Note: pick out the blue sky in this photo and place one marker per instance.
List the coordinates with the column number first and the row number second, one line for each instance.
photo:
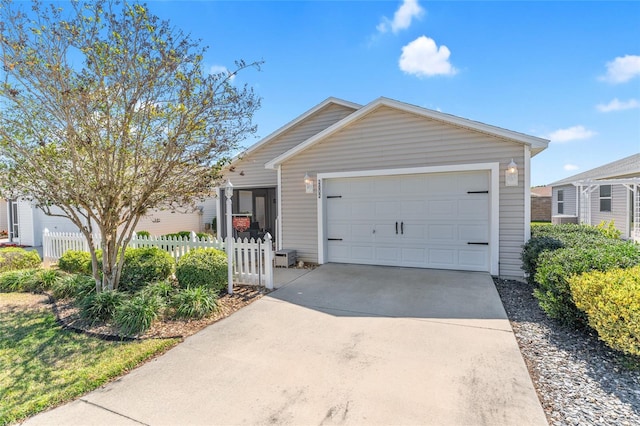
column 566, row 71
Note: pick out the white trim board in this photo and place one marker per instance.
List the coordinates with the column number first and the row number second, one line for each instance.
column 494, row 192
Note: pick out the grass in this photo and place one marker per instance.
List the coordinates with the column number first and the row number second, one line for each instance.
column 44, row 365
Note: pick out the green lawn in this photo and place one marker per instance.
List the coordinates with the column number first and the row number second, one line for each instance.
column 44, row 365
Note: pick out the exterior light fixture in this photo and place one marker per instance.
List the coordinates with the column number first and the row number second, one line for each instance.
column 308, row 184
column 511, row 174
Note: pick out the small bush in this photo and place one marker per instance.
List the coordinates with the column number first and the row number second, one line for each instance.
column 143, row 266
column 609, row 229
column 15, row 258
column 76, row 262
column 181, row 235
column 145, row 234
column 163, row 289
column 16, row 281
column 203, row 235
column 136, row 315
column 101, row 307
column 46, row 278
column 556, row 267
column 203, row 268
column 196, row 302
column 572, row 235
column 76, row 286
column 531, row 251
column 611, row 301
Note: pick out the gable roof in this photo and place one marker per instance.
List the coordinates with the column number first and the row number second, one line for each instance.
column 294, row 122
column 536, row 144
column 541, row 191
column 627, row 166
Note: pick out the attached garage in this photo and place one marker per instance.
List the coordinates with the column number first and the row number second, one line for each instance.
column 390, row 183
column 429, row 220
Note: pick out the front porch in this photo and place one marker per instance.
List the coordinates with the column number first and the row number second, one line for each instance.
column 254, row 213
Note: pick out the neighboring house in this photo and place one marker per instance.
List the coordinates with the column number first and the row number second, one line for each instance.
column 389, row 183
column 606, row 193
column 541, row 204
column 26, row 223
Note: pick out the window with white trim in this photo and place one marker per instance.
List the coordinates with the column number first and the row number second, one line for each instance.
column 560, row 201
column 605, row 198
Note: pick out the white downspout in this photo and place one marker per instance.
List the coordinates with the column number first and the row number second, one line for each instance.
column 279, row 206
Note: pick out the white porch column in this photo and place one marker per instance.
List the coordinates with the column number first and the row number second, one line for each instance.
column 228, row 192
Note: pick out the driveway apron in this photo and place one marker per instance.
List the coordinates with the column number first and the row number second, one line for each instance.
column 342, row 344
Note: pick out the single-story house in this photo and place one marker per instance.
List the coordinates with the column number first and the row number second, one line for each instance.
column 389, row 183
column 606, row 193
column 26, row 223
column 541, row 204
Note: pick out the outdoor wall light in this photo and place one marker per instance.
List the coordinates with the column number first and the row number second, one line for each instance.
column 308, row 184
column 511, row 174
column 228, row 190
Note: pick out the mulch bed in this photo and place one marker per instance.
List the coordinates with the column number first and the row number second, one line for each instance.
column 68, row 316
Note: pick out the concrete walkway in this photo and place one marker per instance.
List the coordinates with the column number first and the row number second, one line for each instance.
column 341, row 344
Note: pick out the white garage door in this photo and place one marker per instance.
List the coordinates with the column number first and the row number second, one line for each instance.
column 436, row 220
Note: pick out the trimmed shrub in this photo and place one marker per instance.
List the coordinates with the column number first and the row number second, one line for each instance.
column 143, row 266
column 135, row 316
column 611, row 301
column 14, row 258
column 556, row 267
column 572, row 235
column 203, row 235
column 75, row 262
column 145, row 234
column 531, row 251
column 196, row 302
column 101, row 307
column 203, row 268
column 76, row 286
column 181, row 235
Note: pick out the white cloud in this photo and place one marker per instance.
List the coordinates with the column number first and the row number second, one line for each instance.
column 570, row 134
column 423, row 58
column 617, row 105
column 622, row 69
column 217, row 69
column 570, row 167
column 408, row 10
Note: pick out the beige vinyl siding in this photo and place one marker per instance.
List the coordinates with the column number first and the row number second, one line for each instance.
column 4, row 215
column 570, row 201
column 161, row 222
column 389, row 139
column 619, row 208
column 252, row 165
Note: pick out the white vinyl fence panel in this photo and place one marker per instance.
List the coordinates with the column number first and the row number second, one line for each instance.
column 253, row 259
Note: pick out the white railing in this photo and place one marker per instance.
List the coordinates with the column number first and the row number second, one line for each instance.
column 253, row 259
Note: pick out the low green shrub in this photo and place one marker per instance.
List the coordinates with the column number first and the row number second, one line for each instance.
column 611, row 301
column 143, row 266
column 101, row 307
column 145, row 234
column 573, row 235
column 609, row 229
column 192, row 303
column 76, row 286
column 203, row 268
column 180, row 235
column 163, row 289
column 75, row 262
column 556, row 267
column 135, row 316
column 15, row 258
column 16, row 281
column 531, row 251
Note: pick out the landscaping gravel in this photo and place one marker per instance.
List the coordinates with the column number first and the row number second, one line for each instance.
column 579, row 380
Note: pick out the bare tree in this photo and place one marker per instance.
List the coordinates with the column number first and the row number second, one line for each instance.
column 106, row 112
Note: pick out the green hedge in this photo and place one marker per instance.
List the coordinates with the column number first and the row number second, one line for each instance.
column 76, row 262
column 203, row 268
column 14, row 258
column 611, row 301
column 143, row 266
column 556, row 267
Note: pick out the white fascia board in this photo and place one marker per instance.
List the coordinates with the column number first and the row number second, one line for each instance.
column 537, row 144
column 292, row 123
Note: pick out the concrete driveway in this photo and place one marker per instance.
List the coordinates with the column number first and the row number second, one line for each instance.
column 342, row 344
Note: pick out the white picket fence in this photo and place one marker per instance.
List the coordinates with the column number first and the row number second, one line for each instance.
column 253, row 259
